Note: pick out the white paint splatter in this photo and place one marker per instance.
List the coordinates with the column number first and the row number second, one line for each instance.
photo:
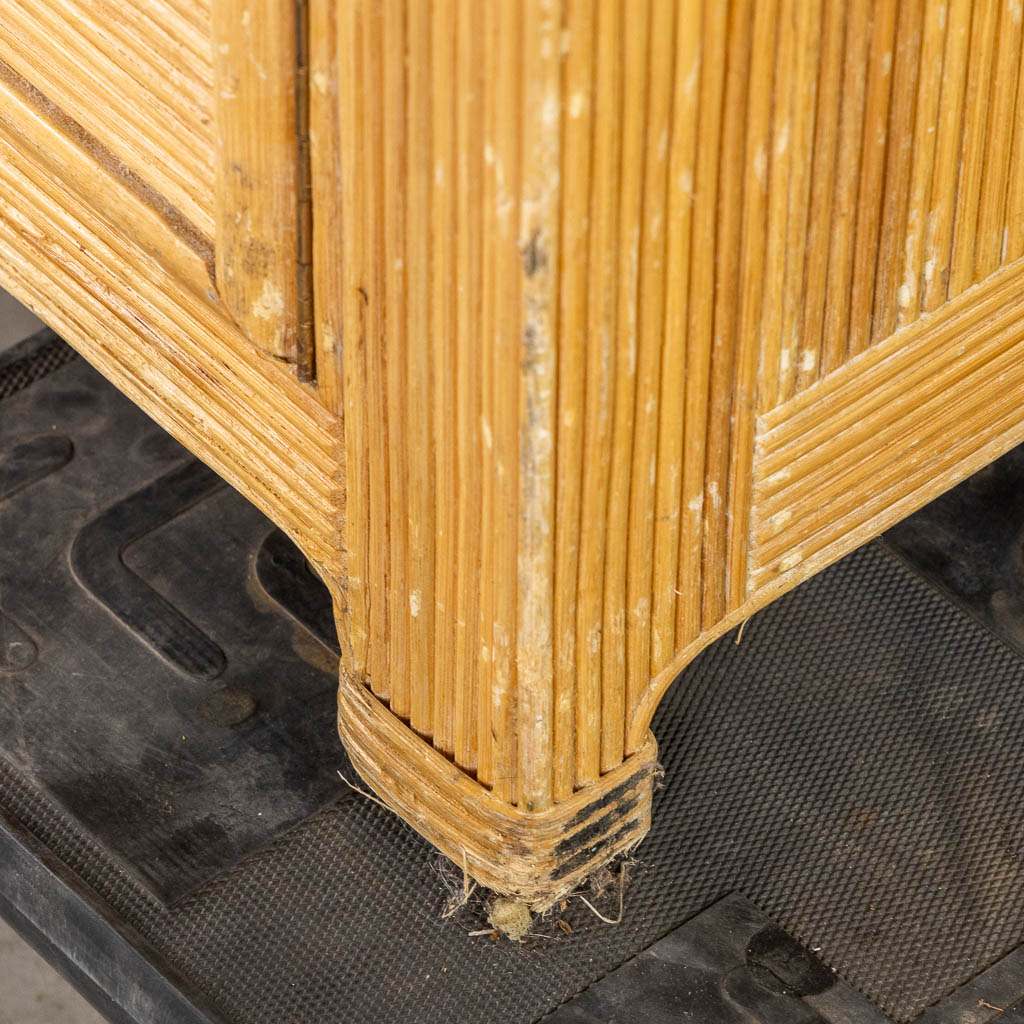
column 761, row 164
column 415, row 601
column 270, row 304
column 551, row 109
column 782, row 142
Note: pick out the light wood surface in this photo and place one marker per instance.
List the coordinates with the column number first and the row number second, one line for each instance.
column 135, row 75
column 138, row 302
column 623, row 319
column 255, row 58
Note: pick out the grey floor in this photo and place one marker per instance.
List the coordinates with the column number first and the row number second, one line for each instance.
column 31, row 992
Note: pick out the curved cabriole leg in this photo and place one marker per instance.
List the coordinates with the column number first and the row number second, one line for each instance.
column 484, row 688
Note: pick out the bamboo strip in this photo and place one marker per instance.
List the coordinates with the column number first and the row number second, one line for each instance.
column 191, row 12
column 394, row 454
column 874, row 140
column 355, row 316
column 991, row 235
column 972, row 146
column 329, row 236
column 150, row 45
column 257, row 226
column 425, row 715
column 505, row 131
column 803, row 355
column 538, row 399
column 682, row 166
column 899, row 164
column 373, row 94
column 140, row 234
column 846, row 201
column 602, row 311
column 173, row 318
column 87, row 255
column 170, row 144
column 972, row 458
column 169, row 26
column 701, row 322
column 651, row 286
column 789, row 90
column 577, row 175
column 489, row 707
column 1014, row 246
column 732, row 172
column 926, row 123
column 762, row 150
column 473, row 390
column 939, row 237
column 616, row 568
column 805, row 102
column 444, row 26
column 990, row 409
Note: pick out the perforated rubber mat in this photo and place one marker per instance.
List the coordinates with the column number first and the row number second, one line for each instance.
column 853, row 767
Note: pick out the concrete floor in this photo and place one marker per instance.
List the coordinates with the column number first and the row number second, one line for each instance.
column 31, row 992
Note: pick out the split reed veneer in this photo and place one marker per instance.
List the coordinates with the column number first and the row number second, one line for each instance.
column 561, row 335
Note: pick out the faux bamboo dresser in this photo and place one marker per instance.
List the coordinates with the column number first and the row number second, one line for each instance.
column 560, row 335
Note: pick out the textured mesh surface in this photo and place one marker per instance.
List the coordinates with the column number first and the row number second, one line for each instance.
column 853, row 767
column 31, row 360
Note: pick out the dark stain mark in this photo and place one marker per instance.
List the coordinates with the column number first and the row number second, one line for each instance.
column 580, row 859
column 589, row 834
column 611, row 797
column 534, row 255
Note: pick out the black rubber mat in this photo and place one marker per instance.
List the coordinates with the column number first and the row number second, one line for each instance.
column 152, row 687
column 852, row 768
column 969, row 543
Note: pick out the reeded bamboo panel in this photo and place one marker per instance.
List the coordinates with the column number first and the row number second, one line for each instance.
column 136, row 76
column 199, row 109
column 83, row 250
column 632, row 315
column 648, row 311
